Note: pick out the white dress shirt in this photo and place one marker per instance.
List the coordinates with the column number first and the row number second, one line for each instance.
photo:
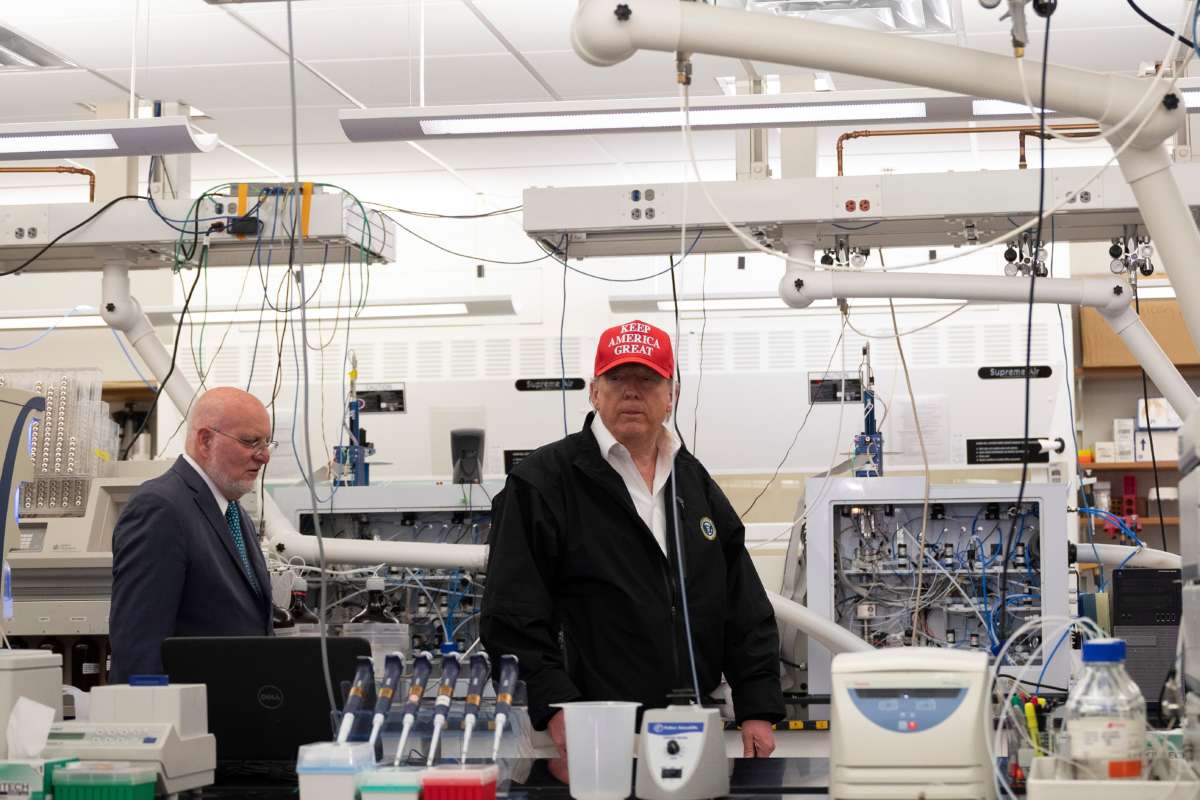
column 222, row 500
column 650, row 504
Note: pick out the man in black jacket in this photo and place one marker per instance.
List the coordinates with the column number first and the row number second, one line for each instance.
column 583, row 577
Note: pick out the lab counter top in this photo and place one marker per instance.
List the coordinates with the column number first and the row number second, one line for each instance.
column 523, row 779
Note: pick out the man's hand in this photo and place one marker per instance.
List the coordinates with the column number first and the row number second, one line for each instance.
column 758, row 740
column 557, row 728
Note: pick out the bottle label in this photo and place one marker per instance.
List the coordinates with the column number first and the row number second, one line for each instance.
column 1099, row 738
column 90, row 668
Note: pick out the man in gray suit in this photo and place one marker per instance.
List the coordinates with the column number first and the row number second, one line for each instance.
column 186, row 560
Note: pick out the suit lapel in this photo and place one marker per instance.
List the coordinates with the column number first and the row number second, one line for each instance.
column 212, row 512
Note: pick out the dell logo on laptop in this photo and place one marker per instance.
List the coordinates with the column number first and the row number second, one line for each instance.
column 270, row 697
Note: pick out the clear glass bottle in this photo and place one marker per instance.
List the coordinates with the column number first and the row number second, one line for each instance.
column 1106, row 716
column 377, row 609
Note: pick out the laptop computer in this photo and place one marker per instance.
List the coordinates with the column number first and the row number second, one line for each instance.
column 266, row 694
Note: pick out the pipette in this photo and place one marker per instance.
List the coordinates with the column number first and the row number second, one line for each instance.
column 364, row 684
column 481, row 667
column 422, row 665
column 508, row 681
column 393, row 668
column 451, row 664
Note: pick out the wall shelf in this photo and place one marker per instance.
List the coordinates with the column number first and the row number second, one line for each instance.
column 1131, row 466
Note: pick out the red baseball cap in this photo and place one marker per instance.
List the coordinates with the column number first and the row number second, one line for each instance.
column 635, row 342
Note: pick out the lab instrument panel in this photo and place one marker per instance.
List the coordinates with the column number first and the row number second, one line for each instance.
column 864, row 570
column 431, row 602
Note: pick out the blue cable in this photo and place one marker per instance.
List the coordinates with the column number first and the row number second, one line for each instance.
column 45, row 333
column 1121, row 566
column 132, row 363
column 1053, row 651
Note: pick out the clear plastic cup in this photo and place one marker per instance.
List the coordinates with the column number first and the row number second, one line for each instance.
column 600, row 738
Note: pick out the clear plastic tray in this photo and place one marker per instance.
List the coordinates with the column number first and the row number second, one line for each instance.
column 1042, row 785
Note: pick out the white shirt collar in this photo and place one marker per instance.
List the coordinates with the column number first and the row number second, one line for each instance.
column 607, row 441
column 222, row 501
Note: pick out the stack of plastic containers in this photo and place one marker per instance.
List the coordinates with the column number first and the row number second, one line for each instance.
column 68, row 442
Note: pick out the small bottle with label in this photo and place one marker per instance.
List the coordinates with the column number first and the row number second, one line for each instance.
column 1106, row 716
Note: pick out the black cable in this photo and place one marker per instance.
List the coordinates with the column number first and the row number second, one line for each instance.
column 71, row 230
column 1137, row 10
column 778, row 467
column 174, row 354
column 551, row 254
column 1162, row 526
column 433, row 215
column 432, row 243
column 677, row 390
column 1037, row 245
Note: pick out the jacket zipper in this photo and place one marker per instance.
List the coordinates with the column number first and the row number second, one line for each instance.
column 674, row 622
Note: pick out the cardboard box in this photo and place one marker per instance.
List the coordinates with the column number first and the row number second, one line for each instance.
column 1162, row 416
column 1105, row 452
column 1103, row 348
column 1166, row 446
column 1123, row 438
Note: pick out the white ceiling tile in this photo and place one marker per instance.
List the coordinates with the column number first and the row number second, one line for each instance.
column 229, row 85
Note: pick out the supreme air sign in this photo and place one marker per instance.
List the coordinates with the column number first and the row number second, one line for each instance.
column 1002, row 373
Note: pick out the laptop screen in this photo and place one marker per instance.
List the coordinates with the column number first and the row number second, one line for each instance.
column 266, row 694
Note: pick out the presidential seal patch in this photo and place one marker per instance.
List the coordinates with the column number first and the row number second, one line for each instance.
column 708, row 528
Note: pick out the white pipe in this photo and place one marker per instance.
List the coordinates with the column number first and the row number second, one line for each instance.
column 286, row 542
column 834, row 637
column 1169, row 221
column 124, row 313
column 1158, row 365
column 800, row 287
column 1112, row 555
column 603, row 38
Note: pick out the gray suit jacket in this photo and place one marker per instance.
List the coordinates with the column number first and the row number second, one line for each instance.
column 176, row 572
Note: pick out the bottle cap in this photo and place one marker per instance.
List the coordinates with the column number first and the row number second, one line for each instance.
column 1104, row 650
column 299, row 584
column 375, row 584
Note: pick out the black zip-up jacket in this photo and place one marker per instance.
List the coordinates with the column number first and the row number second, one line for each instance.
column 578, row 588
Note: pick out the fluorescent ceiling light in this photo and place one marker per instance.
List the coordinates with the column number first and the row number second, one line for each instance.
column 57, row 143
column 723, row 112
column 1002, row 108
column 102, row 137
column 41, row 323
column 327, row 313
column 1191, row 98
column 902, row 16
column 713, row 118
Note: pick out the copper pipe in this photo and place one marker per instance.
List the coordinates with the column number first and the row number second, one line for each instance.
column 862, row 134
column 62, row 170
column 1021, row 136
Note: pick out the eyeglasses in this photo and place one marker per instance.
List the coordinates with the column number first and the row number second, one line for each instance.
column 255, row 446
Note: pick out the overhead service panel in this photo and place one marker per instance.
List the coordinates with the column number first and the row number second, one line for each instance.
column 131, row 232
column 936, row 210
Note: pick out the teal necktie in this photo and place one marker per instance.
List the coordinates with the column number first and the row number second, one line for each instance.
column 234, row 518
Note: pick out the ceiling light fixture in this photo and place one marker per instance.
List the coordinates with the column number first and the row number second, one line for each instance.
column 102, row 137
column 797, row 109
column 1003, row 108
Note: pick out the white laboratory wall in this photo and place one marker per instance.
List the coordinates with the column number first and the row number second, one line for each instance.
column 751, row 371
